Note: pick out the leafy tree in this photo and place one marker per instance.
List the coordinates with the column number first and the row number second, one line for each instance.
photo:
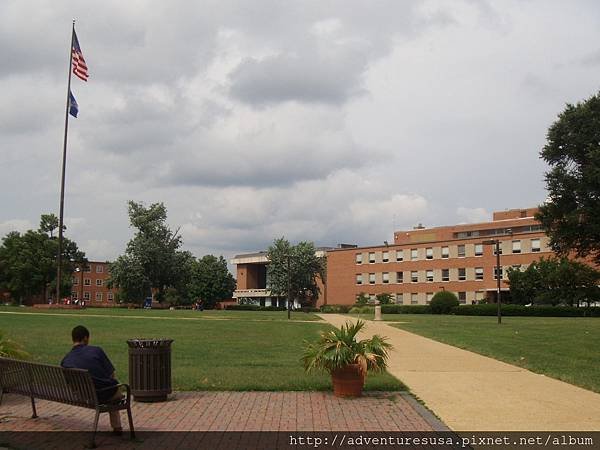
column 211, row 280
column 305, row 268
column 572, row 213
column 384, row 298
column 553, row 281
column 28, row 261
column 152, row 262
column 362, row 299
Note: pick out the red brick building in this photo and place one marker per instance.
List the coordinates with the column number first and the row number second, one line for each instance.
column 89, row 284
column 424, row 261
column 419, row 263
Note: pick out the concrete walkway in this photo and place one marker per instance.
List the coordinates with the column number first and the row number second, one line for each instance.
column 470, row 392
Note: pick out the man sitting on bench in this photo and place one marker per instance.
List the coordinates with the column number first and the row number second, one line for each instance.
column 94, row 360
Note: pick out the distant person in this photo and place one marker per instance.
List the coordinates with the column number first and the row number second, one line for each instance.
column 94, row 360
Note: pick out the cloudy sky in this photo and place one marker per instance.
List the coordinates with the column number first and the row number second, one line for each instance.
column 329, row 121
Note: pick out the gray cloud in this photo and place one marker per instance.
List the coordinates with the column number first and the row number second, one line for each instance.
column 328, row 121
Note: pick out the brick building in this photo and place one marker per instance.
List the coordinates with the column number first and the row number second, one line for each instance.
column 89, row 284
column 419, row 263
column 424, row 261
column 252, row 282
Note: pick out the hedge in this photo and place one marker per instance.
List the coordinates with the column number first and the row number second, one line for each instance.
column 520, row 310
column 405, row 309
column 254, row 308
column 339, row 309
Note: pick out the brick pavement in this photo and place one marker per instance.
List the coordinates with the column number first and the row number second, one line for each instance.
column 231, row 411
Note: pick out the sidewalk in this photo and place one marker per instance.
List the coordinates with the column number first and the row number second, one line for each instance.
column 188, row 412
column 470, row 392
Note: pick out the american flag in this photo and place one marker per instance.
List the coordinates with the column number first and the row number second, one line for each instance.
column 79, row 66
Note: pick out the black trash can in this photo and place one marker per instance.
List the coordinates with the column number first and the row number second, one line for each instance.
column 150, row 369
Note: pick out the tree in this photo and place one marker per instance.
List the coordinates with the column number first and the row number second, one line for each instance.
column 28, row 261
column 384, row 298
column 152, row 262
column 305, row 268
column 211, row 280
column 443, row 302
column 571, row 215
column 362, row 299
column 553, row 281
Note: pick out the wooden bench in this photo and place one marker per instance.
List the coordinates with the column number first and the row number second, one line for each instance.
column 57, row 384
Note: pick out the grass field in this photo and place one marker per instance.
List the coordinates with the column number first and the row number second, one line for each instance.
column 244, row 351
column 561, row 347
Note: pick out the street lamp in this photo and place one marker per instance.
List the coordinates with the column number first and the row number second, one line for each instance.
column 496, row 242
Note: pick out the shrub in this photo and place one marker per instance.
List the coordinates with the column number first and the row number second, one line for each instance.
column 254, row 308
column 361, row 310
column 338, row 309
column 443, row 302
column 406, row 309
column 520, row 310
column 309, row 309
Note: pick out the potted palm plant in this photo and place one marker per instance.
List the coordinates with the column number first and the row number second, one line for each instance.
column 347, row 359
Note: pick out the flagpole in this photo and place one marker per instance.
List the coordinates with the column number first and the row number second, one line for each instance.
column 62, row 179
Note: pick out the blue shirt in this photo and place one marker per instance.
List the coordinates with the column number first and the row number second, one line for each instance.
column 94, row 360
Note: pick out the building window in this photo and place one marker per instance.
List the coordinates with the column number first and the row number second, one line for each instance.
column 414, row 254
column 462, row 274
column 462, row 298
column 414, row 299
column 445, row 252
column 516, row 246
column 461, row 251
column 74, row 295
column 359, row 278
column 429, row 253
column 479, row 273
column 110, row 296
column 385, row 257
column 445, row 274
column 399, row 255
column 371, row 278
column 399, row 299
column 385, row 277
column 372, row 298
column 98, row 282
column 496, row 272
column 87, row 269
column 478, row 249
column 500, row 247
column 359, row 258
column 87, row 282
column 99, row 268
column 414, row 276
column 429, row 275
column 98, row 296
column 428, row 297
column 535, row 245
column 371, row 257
column 86, row 295
column 75, row 281
column 399, row 277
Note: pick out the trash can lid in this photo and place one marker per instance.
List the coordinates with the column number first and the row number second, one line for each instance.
column 149, row 343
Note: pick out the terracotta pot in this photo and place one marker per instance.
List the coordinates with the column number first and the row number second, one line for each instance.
column 348, row 381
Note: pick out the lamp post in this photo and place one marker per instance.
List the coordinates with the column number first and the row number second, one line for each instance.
column 496, row 242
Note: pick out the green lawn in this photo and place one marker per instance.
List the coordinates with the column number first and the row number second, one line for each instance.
column 561, row 347
column 252, row 351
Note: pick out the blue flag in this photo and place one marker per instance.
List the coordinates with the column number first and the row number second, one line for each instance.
column 73, row 106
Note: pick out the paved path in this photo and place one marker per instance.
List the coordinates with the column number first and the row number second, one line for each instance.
column 471, row 392
column 226, row 411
